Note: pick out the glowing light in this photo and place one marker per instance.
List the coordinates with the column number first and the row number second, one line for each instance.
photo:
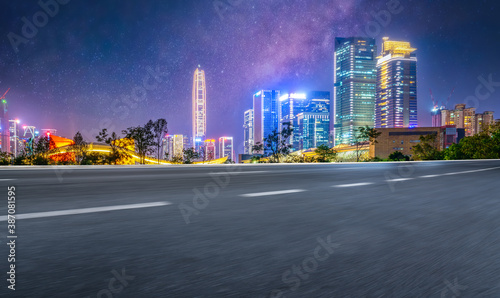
column 284, row 97
column 4, row 101
column 298, row 96
column 258, row 93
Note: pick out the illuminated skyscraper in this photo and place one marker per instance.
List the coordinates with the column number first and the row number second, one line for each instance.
column 174, row 146
column 266, row 111
column 248, row 131
column 355, row 81
column 295, row 104
column 209, row 153
column 199, row 108
column 4, row 128
column 226, row 148
column 396, row 104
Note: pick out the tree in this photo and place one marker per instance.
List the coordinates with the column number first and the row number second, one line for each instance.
column 277, row 143
column 117, row 152
column 80, row 148
column 428, row 148
column 160, row 130
column 144, row 139
column 325, row 153
column 40, row 151
column 190, row 155
column 4, row 158
column 398, row 156
column 362, row 135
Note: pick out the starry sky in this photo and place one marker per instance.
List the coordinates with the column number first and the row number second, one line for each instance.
column 87, row 65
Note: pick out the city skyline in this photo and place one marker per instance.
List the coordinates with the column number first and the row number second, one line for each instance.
column 110, row 72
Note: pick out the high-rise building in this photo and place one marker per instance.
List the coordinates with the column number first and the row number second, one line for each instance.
column 248, row 131
column 15, row 145
column 209, row 153
column 396, row 101
column 266, row 113
column 294, row 104
column 199, row 108
column 313, row 130
column 4, row 128
column 226, row 148
column 174, row 146
column 355, row 81
column 467, row 118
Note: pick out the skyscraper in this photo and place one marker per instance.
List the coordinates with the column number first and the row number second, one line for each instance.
column 226, row 148
column 209, row 150
column 396, row 104
column 248, row 131
column 199, row 108
column 266, row 114
column 313, row 130
column 294, row 104
column 355, row 81
column 4, row 128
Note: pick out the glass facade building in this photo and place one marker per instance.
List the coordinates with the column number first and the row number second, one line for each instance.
column 396, row 104
column 294, row 104
column 248, row 131
column 355, row 81
column 313, row 129
column 226, row 148
column 266, row 114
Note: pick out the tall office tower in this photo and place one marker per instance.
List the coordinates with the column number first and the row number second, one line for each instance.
column 266, row 114
column 294, row 104
column 4, row 128
column 209, row 147
column 178, row 146
column 248, row 131
column 355, row 80
column 226, row 148
column 199, row 108
column 396, row 102
column 15, row 144
column 313, row 130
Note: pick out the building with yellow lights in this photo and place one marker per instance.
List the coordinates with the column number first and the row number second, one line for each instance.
column 396, row 101
column 467, row 118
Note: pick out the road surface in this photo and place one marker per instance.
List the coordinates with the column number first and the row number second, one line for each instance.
column 428, row 229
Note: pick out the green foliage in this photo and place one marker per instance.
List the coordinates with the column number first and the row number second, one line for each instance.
column 365, row 134
column 189, row 155
column 159, row 130
column 428, row 148
column 485, row 145
column 144, row 139
column 398, row 156
column 325, row 153
column 117, row 153
column 80, row 148
column 277, row 143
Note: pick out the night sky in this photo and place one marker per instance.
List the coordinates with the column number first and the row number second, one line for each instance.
column 77, row 71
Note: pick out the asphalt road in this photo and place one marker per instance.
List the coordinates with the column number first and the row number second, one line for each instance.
column 429, row 229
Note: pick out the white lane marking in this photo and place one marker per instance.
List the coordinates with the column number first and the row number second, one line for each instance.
column 237, row 173
column 458, row 173
column 354, row 184
column 6, row 179
column 86, row 210
column 399, row 180
column 272, row 193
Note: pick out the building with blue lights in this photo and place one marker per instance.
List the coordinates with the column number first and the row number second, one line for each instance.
column 355, row 82
column 266, row 114
column 294, row 104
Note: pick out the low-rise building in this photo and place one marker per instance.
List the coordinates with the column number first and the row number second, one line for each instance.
column 404, row 139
